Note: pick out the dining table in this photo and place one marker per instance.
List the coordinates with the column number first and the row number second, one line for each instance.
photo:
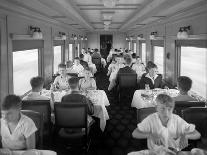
column 97, row 97
column 27, row 152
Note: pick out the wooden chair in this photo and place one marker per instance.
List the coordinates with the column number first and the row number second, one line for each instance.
column 72, row 117
column 144, row 112
column 38, row 120
column 127, row 84
column 43, row 107
column 181, row 105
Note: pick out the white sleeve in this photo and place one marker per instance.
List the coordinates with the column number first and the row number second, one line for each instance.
column 184, row 127
column 144, row 126
column 29, row 128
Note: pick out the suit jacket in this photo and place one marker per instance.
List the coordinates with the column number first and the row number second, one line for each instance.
column 96, row 55
column 83, row 63
column 145, row 80
column 75, row 97
column 125, row 70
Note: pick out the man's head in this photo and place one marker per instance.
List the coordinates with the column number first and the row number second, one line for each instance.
column 62, row 69
column 184, row 83
column 73, row 83
column 165, row 106
column 134, row 56
column 81, row 56
column 76, row 60
column 37, row 83
column 10, row 108
column 152, row 69
column 128, row 59
column 69, row 64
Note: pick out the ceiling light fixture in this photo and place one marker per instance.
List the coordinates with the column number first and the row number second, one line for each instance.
column 110, row 3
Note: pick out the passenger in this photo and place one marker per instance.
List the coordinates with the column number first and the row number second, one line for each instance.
column 96, row 54
column 87, row 83
column 164, row 129
column 184, row 84
column 61, row 81
column 76, row 97
column 126, row 70
column 151, row 78
column 17, row 130
column 69, row 67
column 82, row 62
column 37, row 86
column 112, row 66
column 86, row 57
column 139, row 68
column 77, row 67
column 134, row 58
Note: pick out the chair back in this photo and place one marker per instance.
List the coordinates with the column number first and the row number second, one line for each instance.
column 38, row 120
column 72, row 74
column 181, row 105
column 197, row 116
column 127, row 80
column 144, row 112
column 43, row 107
column 73, row 115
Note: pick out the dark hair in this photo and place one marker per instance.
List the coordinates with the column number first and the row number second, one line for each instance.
column 184, row 83
column 150, row 65
column 166, row 100
column 61, row 65
column 81, row 56
column 96, row 50
column 36, row 82
column 77, row 58
column 128, row 58
column 73, row 82
column 134, row 55
column 11, row 101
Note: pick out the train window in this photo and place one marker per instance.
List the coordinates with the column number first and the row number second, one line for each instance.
column 25, row 66
column 159, row 58
column 70, row 52
column 143, row 50
column 57, row 58
column 78, row 50
column 129, row 45
column 134, row 47
column 194, row 65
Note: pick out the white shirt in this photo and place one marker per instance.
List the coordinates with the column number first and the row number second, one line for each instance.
column 35, row 96
column 175, row 127
column 87, row 58
column 152, row 78
column 17, row 140
column 61, row 82
column 78, row 68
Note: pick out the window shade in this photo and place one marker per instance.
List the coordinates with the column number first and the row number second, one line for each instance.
column 21, row 45
column 192, row 43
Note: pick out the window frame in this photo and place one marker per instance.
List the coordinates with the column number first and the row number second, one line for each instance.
column 62, row 46
column 140, row 49
column 199, row 43
column 71, row 51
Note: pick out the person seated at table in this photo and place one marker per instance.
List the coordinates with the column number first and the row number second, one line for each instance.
column 77, row 67
column 69, row 65
column 164, row 129
column 184, row 84
column 87, row 83
column 139, row 68
column 17, row 130
column 61, row 81
column 82, row 62
column 151, row 78
column 125, row 70
column 37, row 86
column 76, row 97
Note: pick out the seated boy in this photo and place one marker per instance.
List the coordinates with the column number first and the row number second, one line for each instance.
column 184, row 84
column 37, row 86
column 17, row 130
column 164, row 129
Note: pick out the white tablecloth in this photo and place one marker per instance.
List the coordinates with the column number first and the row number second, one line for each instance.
column 144, row 99
column 28, row 152
column 98, row 98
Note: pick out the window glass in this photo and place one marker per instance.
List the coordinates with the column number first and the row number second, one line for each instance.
column 159, row 58
column 78, row 50
column 143, row 49
column 25, row 66
column 71, row 52
column 56, row 58
column 129, row 45
column 193, row 64
column 135, row 48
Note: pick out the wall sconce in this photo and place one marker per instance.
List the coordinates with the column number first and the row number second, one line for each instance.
column 85, row 38
column 153, row 35
column 183, row 32
column 62, row 35
column 35, row 32
column 74, row 37
column 140, row 37
column 127, row 38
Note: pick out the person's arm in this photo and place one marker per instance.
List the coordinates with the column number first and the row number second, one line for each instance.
column 112, row 84
column 193, row 135
column 139, row 134
column 31, row 142
column 109, row 70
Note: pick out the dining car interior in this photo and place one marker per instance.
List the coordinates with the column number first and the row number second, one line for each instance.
column 103, row 77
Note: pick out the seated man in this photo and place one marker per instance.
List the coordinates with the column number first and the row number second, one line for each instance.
column 37, row 86
column 125, row 70
column 61, row 81
column 17, row 130
column 69, row 67
column 151, row 78
column 77, row 67
column 75, row 95
column 164, row 129
column 184, row 84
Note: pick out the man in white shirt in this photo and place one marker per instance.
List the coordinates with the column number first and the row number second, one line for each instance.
column 77, row 67
column 17, row 130
column 37, row 86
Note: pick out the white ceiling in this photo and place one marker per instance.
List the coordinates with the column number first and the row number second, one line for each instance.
column 87, row 15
